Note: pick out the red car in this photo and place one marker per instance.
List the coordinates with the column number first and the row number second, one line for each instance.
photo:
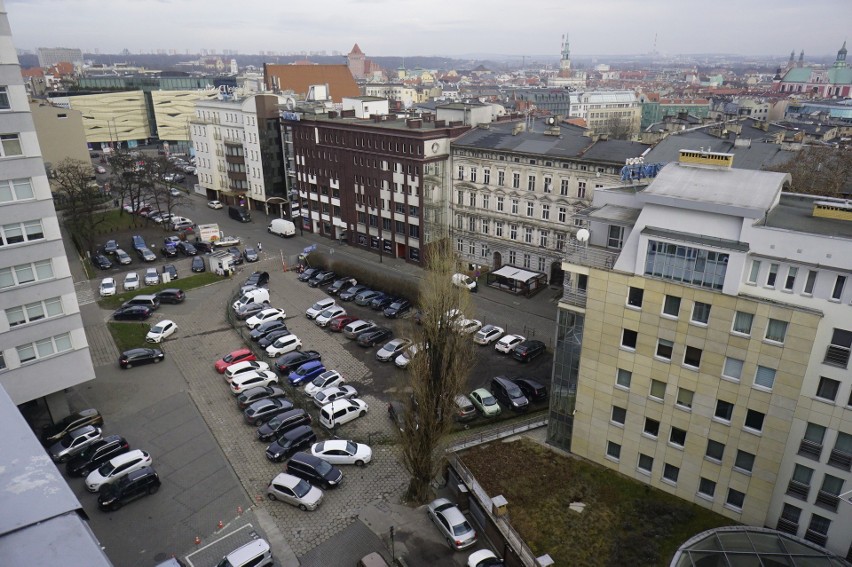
column 339, row 322
column 240, row 355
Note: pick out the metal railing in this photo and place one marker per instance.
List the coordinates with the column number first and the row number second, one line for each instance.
column 590, row 256
column 496, row 433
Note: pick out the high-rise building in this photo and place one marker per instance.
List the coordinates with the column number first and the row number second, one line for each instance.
column 43, row 347
column 50, row 56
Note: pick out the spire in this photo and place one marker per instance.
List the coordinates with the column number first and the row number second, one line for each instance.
column 356, row 50
column 841, row 57
column 801, row 58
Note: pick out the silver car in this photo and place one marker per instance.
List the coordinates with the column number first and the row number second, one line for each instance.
column 451, row 523
column 295, row 491
column 328, row 395
column 74, row 442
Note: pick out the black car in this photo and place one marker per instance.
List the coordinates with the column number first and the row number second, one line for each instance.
column 282, row 422
column 134, row 485
column 171, row 270
column 252, row 395
column 289, row 442
column 315, row 470
column 322, row 278
column 528, row 350
column 341, row 283
column 50, row 434
column 257, row 279
column 101, row 262
column 265, row 328
column 187, row 248
column 534, row 390
column 271, row 337
column 265, row 409
column 238, row 256
column 137, row 356
column 198, row 264
column 349, row 293
column 203, row 247
column 289, row 362
column 131, row 313
column 400, row 412
column 374, row 336
column 96, row 454
column 250, row 310
column 110, row 247
column 508, row 393
column 379, row 303
column 250, row 254
column 170, row 250
column 397, row 308
column 171, row 295
column 308, row 274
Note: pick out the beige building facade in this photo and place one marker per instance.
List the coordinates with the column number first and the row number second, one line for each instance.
column 173, row 111
column 113, row 117
column 60, row 132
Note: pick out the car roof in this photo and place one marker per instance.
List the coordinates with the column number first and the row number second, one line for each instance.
column 126, row 457
column 481, row 392
column 287, row 480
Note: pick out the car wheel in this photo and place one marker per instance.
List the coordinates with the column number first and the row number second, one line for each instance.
column 258, row 422
column 153, row 489
column 359, row 463
column 303, row 508
column 128, row 365
column 271, row 497
column 362, row 413
column 157, row 360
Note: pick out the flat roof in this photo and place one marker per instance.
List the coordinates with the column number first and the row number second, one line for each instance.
column 795, row 212
column 614, row 213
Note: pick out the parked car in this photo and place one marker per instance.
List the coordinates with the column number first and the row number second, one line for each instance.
column 250, row 310
column 295, row 491
column 289, row 442
column 267, row 340
column 342, row 411
column 283, row 345
column 137, row 356
column 265, row 409
column 318, row 307
column 306, row 372
column 392, row 349
column 307, row 274
column 203, row 247
column 468, row 326
column 265, row 328
column 131, row 313
column 178, row 221
column 355, row 328
column 198, row 264
column 152, row 277
column 452, row 524
column 132, row 486
column 487, row 334
column 74, row 442
column 187, row 248
column 247, row 380
column 214, row 204
column 131, row 281
column 325, row 380
column 101, row 262
column 397, row 308
column 464, row 281
column 257, row 279
column 293, row 360
column 171, row 270
column 138, row 242
column 484, row 558
column 161, row 331
column 269, row 314
column 96, row 454
column 252, row 395
column 342, row 452
column 350, row 293
column 508, row 393
column 380, row 302
column 374, row 336
column 239, row 355
column 324, row 318
column 282, row 422
column 322, row 278
column 465, row 410
column 508, row 343
column 338, row 323
column 366, row 297
column 146, row 255
column 170, row 250
column 528, row 350
column 110, row 247
column 250, row 254
column 341, row 283
column 237, row 254
column 50, row 434
column 107, row 287
column 116, row 468
column 534, row 391
column 398, row 413
column 314, row 470
column 485, row 402
column 405, row 357
column 245, row 366
column 171, row 295
column 123, row 257
column 328, row 395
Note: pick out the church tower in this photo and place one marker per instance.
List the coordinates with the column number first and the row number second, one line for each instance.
column 565, row 63
column 840, row 62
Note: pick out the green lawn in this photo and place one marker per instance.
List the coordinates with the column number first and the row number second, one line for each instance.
column 128, row 335
column 116, row 220
column 198, row 280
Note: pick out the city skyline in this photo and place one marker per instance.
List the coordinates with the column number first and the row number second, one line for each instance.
column 608, row 27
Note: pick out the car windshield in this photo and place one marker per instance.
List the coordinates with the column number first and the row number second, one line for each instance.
column 488, row 401
column 396, row 304
column 66, row 441
column 106, row 469
column 351, row 447
column 326, row 313
column 228, row 358
column 301, row 489
column 323, row 468
column 319, row 380
column 158, row 329
column 302, row 370
column 460, row 529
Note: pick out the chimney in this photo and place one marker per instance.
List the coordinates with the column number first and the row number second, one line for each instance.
column 414, row 123
column 440, row 123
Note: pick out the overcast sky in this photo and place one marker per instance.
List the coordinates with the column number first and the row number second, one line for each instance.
column 436, row 27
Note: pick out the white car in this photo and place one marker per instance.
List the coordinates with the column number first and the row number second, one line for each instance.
column 319, row 307
column 177, row 220
column 392, row 349
column 342, row 411
column 227, row 241
column 243, row 367
column 465, row 281
column 214, row 204
column 404, row 359
column 152, row 277
column 325, row 380
column 161, row 331
column 508, row 343
column 329, row 395
column 343, row 452
column 283, row 345
column 324, row 318
column 468, row 326
column 242, row 382
column 488, row 334
column 116, row 468
column 293, row 490
column 107, row 287
column 483, row 558
column 131, row 281
column 271, row 314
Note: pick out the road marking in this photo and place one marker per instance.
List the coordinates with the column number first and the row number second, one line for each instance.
column 214, row 542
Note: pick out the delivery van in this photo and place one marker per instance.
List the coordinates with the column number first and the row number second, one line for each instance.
column 282, row 227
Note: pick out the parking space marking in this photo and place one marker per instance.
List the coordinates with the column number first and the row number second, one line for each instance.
column 217, row 541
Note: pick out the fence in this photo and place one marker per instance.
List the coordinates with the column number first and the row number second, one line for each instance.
column 495, row 433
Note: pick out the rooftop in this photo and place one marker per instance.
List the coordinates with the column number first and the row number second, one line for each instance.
column 795, row 212
column 754, row 155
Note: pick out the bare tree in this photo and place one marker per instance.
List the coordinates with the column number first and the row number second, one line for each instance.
column 81, row 199
column 165, row 196
column 820, row 171
column 438, row 372
column 127, row 180
column 618, row 128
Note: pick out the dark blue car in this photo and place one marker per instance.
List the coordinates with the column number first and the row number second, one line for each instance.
column 306, row 373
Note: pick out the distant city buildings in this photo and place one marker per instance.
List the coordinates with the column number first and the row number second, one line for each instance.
column 835, row 81
column 49, row 56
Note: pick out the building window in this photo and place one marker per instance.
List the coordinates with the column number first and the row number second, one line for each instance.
column 677, row 436
column 701, row 313
column 724, row 410
column 827, row 389
column 486, row 176
column 21, row 232
column 471, row 199
column 841, row 455
column 471, row 248
column 817, row 531
column 44, row 348
column 4, row 99
column 542, row 238
column 754, row 272
column 634, row 296
column 501, row 178
column 692, row 357
column 684, row 398
column 473, row 174
column 35, row 311
column 715, row 450
column 664, row 349
column 563, row 187
column 471, row 224
column 414, row 231
column 837, row 291
column 658, row 390
column 461, row 172
column 828, row 495
column 498, row 228
column 692, row 266
column 531, row 183
column 560, row 241
column 645, row 464
column 26, row 273
column 563, row 214
column 545, row 212
column 619, row 415
column 742, row 323
column 512, row 257
column 811, row 444
column 764, row 377
column 754, row 420
column 776, row 331
column 514, row 206
column 735, row 499
column 513, row 231
column 628, row 339
column 500, row 202
column 486, row 201
column 671, row 306
column 790, row 281
column 516, row 180
column 460, row 198
column 622, row 378
column 706, row 488
column 616, row 237
column 527, row 260
column 484, row 225
column 670, row 473
column 733, row 368
column 808, row 289
column 772, row 275
column 581, row 189
column 744, row 461
column 459, row 245
column 10, row 145
column 837, row 353
column 530, row 208
column 652, row 427
column 548, row 185
column 15, row 190
column 613, row 450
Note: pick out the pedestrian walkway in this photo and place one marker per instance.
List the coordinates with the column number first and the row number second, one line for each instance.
column 85, row 293
column 101, row 346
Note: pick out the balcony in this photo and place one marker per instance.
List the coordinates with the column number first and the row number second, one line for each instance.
column 590, row 256
column 827, row 500
column 840, row 460
column 787, row 526
column 572, row 293
column 816, row 537
column 836, row 355
column 798, row 490
column 810, row 449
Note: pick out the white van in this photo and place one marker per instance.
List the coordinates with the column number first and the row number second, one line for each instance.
column 255, row 553
column 319, row 307
column 257, row 295
column 282, row 227
column 342, row 411
column 465, row 281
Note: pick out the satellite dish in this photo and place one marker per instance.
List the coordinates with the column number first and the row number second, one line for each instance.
column 290, row 103
column 583, row 235
column 551, row 121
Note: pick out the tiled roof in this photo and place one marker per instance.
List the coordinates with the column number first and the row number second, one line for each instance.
column 298, row 78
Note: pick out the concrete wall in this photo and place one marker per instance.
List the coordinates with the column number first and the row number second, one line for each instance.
column 60, row 133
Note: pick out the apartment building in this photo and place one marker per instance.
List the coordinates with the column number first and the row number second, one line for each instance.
column 703, row 345
column 369, row 177
column 238, row 153
column 43, row 349
column 517, row 185
column 615, row 113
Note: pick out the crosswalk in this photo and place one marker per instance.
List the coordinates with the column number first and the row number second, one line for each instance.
column 85, row 294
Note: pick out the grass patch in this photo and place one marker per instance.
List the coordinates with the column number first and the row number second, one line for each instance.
column 115, row 220
column 198, row 280
column 128, row 335
column 625, row 522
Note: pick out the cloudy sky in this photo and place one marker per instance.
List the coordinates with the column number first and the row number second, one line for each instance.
column 436, row 27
